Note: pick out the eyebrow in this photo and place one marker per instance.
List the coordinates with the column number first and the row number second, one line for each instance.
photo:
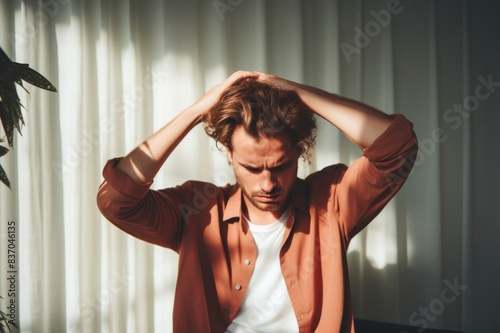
column 276, row 167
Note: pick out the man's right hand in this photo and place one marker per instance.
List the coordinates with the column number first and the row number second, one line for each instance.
column 214, row 94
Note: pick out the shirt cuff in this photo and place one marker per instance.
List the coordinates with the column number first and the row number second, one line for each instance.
column 394, row 141
column 121, row 182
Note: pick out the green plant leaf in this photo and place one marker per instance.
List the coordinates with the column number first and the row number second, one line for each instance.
column 10, row 110
column 29, row 75
column 10, row 105
column 3, row 177
column 3, row 151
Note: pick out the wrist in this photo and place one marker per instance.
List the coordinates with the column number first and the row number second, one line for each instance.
column 195, row 112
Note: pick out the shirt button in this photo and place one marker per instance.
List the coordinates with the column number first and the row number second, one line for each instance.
column 238, row 287
column 226, row 311
column 247, row 262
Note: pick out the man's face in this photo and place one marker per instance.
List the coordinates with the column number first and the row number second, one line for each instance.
column 265, row 169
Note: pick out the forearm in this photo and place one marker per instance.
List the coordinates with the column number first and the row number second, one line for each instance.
column 361, row 123
column 143, row 163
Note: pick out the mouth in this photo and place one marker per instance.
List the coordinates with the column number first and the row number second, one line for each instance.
column 268, row 198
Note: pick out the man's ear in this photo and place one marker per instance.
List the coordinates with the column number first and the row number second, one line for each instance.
column 229, row 154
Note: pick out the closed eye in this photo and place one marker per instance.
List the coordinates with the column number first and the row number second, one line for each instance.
column 278, row 168
column 282, row 167
column 252, row 169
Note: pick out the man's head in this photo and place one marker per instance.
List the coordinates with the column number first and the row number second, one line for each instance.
column 263, row 111
column 264, row 130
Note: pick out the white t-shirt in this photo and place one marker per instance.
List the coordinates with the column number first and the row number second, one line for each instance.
column 266, row 306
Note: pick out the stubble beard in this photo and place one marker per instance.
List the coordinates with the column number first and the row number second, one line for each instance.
column 265, row 207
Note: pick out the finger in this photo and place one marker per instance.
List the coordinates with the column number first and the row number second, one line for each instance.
column 236, row 76
column 243, row 74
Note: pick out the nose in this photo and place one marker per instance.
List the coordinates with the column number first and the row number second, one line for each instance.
column 267, row 181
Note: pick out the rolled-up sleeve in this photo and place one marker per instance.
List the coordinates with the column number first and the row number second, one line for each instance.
column 372, row 180
column 152, row 216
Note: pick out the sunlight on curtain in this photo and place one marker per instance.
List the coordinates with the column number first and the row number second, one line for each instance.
column 125, row 68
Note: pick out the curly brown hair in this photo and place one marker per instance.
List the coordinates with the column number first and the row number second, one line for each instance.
column 264, row 111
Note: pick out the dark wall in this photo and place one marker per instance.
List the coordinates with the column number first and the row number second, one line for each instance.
column 484, row 60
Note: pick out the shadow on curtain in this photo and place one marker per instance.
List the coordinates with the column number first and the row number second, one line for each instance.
column 125, row 68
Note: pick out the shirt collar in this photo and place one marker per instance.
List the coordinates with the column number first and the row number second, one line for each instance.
column 300, row 196
column 232, row 212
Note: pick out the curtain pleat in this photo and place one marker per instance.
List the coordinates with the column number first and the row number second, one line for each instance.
column 125, row 68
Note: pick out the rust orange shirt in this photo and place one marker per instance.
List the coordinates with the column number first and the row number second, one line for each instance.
column 203, row 223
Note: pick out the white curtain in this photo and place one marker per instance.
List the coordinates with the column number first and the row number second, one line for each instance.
column 125, row 68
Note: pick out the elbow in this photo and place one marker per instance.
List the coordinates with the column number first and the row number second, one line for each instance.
column 104, row 200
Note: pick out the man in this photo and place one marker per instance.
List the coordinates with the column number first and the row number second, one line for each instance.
column 267, row 254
